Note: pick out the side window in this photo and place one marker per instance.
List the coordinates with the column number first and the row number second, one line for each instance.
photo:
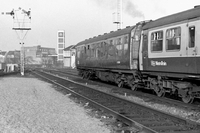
column 191, row 37
column 92, row 50
column 111, row 48
column 97, row 50
column 88, row 50
column 125, row 44
column 119, row 46
column 84, row 47
column 78, row 52
column 104, row 48
column 101, row 52
column 173, row 39
column 111, row 42
column 157, row 41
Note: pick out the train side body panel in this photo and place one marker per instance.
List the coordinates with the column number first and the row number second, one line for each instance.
column 172, row 48
column 161, row 55
column 114, row 51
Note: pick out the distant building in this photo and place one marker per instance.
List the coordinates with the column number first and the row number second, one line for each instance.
column 42, row 56
column 69, row 56
column 10, row 60
column 12, row 57
column 2, row 56
column 60, row 44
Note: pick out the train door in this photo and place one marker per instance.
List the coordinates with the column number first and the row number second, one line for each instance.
column 135, row 43
column 144, row 51
column 191, row 48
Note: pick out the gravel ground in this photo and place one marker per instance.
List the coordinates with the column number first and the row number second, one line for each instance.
column 28, row 105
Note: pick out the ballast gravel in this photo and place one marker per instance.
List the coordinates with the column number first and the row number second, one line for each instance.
column 28, row 105
column 170, row 109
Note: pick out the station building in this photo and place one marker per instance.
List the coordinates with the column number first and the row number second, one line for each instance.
column 2, row 56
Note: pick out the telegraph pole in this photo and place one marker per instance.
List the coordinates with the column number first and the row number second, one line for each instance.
column 21, row 25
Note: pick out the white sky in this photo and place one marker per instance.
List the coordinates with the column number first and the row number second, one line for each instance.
column 81, row 19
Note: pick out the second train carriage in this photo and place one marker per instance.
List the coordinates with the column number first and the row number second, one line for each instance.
column 112, row 56
column 162, row 55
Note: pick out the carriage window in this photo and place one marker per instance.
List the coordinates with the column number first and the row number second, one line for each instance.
column 78, row 52
column 191, row 37
column 119, row 46
column 125, row 44
column 111, row 42
column 173, row 39
column 84, row 50
column 92, row 50
column 157, row 41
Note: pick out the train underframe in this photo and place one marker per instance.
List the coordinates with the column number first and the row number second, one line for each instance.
column 186, row 89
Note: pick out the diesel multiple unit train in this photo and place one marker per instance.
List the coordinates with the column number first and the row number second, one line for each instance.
column 162, row 55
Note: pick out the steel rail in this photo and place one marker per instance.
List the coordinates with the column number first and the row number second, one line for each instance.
column 128, row 121
column 162, row 99
column 146, row 107
column 172, row 117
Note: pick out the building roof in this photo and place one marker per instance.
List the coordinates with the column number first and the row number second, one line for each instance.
column 69, row 48
column 178, row 17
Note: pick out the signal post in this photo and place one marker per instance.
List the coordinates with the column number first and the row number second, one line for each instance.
column 21, row 25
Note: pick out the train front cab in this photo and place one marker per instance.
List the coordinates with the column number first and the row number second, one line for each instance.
column 170, row 57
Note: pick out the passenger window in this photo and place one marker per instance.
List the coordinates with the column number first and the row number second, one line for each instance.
column 157, row 41
column 173, row 39
column 119, row 46
column 111, row 42
column 191, row 37
column 84, row 50
column 93, row 50
column 125, row 44
column 78, row 52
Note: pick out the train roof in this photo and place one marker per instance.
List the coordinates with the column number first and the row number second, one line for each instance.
column 107, row 35
column 185, row 15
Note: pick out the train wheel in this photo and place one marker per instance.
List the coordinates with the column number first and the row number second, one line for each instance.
column 120, row 84
column 85, row 75
column 187, row 98
column 160, row 92
column 134, row 87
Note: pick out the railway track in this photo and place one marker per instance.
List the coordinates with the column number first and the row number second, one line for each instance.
column 72, row 72
column 136, row 116
column 122, row 91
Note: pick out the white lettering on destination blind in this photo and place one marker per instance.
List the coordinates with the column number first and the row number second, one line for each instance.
column 158, row 63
